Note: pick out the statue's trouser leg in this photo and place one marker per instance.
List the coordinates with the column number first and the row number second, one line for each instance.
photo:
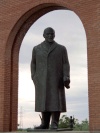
column 46, row 119
column 55, row 119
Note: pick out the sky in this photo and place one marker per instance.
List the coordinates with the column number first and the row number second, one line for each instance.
column 69, row 31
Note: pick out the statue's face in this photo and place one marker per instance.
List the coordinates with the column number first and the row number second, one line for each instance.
column 49, row 35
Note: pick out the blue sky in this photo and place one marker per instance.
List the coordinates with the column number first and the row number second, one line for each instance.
column 70, row 33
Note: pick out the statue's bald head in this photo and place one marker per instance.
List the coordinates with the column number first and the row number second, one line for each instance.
column 49, row 29
column 49, row 34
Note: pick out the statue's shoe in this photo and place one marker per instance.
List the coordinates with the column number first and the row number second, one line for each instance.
column 42, row 127
column 54, row 125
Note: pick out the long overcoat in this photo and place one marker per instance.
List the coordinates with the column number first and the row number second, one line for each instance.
column 49, row 70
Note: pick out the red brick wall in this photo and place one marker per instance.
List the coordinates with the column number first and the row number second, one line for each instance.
column 15, row 19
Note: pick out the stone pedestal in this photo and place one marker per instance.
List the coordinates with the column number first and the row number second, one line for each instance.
column 52, row 131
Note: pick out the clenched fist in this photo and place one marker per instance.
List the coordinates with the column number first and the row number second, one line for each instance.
column 67, row 82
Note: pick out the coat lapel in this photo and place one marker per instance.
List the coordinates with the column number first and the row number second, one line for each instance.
column 53, row 46
column 45, row 49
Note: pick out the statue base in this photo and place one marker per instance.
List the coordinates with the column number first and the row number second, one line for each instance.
column 49, row 130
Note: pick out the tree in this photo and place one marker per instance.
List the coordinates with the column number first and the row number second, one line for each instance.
column 83, row 126
column 64, row 123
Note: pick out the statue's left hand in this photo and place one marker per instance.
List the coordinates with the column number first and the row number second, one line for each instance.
column 66, row 83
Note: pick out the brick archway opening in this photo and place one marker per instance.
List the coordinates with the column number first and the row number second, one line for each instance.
column 11, row 56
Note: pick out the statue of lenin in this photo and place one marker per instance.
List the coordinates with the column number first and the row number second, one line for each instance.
column 50, row 72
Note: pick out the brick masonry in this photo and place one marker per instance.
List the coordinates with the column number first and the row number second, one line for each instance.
column 16, row 17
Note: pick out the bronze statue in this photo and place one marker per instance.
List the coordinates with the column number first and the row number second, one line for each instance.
column 71, row 122
column 50, row 72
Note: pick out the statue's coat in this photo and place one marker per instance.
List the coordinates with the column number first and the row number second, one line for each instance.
column 49, row 70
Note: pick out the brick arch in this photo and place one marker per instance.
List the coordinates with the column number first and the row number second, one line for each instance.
column 16, row 30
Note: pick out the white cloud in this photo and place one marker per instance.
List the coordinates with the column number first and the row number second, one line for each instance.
column 31, row 38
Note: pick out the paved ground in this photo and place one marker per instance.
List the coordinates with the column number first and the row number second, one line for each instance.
column 56, row 132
